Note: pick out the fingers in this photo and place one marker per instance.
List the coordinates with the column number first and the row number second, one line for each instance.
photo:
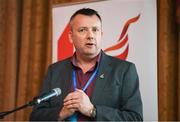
column 71, row 96
column 65, row 112
column 72, row 101
column 76, row 100
column 74, row 95
column 70, row 109
column 74, row 106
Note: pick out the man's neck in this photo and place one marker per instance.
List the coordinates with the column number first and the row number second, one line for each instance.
column 85, row 63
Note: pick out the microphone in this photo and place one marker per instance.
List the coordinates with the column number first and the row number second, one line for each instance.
column 37, row 100
column 54, row 92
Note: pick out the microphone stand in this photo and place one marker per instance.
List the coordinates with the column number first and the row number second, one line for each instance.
column 3, row 114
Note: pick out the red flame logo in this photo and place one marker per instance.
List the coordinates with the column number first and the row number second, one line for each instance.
column 65, row 48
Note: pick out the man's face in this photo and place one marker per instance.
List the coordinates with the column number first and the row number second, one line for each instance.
column 86, row 35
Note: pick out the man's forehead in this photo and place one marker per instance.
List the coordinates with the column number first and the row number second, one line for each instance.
column 83, row 21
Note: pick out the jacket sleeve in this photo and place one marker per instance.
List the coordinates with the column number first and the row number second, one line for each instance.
column 131, row 104
column 46, row 110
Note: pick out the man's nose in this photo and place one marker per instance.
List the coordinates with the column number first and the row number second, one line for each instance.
column 90, row 35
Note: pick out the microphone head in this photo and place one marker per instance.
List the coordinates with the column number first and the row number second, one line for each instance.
column 57, row 91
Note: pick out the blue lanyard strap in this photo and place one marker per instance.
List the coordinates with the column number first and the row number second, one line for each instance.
column 74, row 79
column 73, row 118
column 88, row 82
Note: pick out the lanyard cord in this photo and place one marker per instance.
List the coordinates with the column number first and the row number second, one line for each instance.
column 88, row 82
column 73, row 118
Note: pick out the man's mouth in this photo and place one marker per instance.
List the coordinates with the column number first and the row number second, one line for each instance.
column 90, row 44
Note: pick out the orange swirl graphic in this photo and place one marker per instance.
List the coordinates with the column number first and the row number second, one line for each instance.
column 121, row 43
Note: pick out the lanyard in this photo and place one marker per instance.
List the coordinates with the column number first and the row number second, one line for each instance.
column 88, row 82
column 73, row 118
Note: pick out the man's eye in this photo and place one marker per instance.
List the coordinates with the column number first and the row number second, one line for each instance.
column 81, row 30
column 95, row 29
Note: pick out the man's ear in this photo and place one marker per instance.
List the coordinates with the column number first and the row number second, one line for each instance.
column 70, row 37
column 101, row 33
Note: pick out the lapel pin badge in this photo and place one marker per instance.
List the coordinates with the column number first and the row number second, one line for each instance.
column 102, row 76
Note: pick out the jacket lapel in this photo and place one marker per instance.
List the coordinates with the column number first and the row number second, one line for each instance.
column 101, row 81
column 67, row 78
column 102, row 77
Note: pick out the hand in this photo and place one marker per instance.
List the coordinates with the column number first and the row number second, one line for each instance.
column 65, row 112
column 80, row 101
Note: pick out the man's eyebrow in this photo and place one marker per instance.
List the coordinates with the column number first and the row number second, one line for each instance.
column 83, row 27
column 90, row 27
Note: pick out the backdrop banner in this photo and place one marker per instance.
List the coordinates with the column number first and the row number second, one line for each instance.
column 129, row 33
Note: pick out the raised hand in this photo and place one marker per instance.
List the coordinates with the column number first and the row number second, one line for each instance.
column 79, row 101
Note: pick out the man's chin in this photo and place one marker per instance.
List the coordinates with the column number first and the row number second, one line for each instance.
column 91, row 54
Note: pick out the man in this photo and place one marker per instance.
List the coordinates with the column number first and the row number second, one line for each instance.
column 94, row 86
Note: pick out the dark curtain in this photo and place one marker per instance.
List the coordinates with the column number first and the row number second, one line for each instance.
column 25, row 52
column 168, row 61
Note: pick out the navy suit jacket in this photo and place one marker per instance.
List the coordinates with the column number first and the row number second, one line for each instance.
column 116, row 93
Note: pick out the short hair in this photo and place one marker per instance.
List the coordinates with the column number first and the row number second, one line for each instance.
column 87, row 12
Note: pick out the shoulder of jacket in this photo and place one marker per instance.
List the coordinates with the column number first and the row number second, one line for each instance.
column 59, row 64
column 117, row 61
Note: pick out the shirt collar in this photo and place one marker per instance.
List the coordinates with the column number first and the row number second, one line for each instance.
column 74, row 62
